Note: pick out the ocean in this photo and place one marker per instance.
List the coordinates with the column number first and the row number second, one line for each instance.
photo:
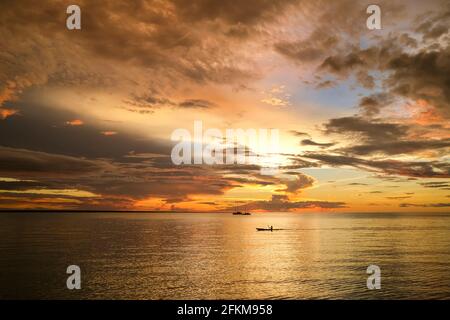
column 221, row 256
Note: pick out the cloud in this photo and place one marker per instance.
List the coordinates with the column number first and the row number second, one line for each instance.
column 17, row 184
column 27, row 163
column 370, row 130
column 398, row 197
column 250, row 13
column 399, row 147
column 444, row 185
column 152, row 55
column 112, row 181
column 5, row 113
column 39, row 128
column 425, row 205
column 307, row 50
column 163, row 39
column 301, row 181
column 371, row 105
column 109, row 133
column 421, row 74
column 342, row 64
column 419, row 169
column 281, row 203
column 75, row 122
column 381, row 137
column 425, row 76
column 196, row 104
column 408, row 67
column 274, row 101
column 330, row 28
column 308, row 142
column 299, row 133
column 148, row 103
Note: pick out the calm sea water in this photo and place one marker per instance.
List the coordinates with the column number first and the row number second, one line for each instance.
column 220, row 256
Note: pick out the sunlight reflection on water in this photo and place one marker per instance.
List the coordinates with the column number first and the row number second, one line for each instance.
column 220, row 256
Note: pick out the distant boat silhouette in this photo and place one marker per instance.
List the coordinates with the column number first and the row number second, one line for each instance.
column 239, row 213
column 271, row 228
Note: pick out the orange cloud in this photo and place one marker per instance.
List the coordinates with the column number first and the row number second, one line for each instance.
column 5, row 113
column 427, row 114
column 108, row 133
column 7, row 93
column 76, row 122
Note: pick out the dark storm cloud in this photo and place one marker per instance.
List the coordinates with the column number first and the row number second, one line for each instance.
column 42, row 128
column 250, row 12
column 169, row 39
column 419, row 74
column 140, row 177
column 380, row 137
column 416, row 76
column 422, row 75
column 425, row 75
column 127, row 182
column 178, row 42
column 399, row 147
column 419, row 169
column 307, row 50
column 342, row 64
column 21, row 162
column 21, row 185
column 370, row 130
column 331, row 27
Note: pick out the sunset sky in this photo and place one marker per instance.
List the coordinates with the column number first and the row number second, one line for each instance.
column 86, row 116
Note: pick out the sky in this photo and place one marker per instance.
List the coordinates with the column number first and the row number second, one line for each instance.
column 87, row 116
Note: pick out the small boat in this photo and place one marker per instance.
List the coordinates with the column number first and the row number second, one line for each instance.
column 239, row 213
column 267, row 229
